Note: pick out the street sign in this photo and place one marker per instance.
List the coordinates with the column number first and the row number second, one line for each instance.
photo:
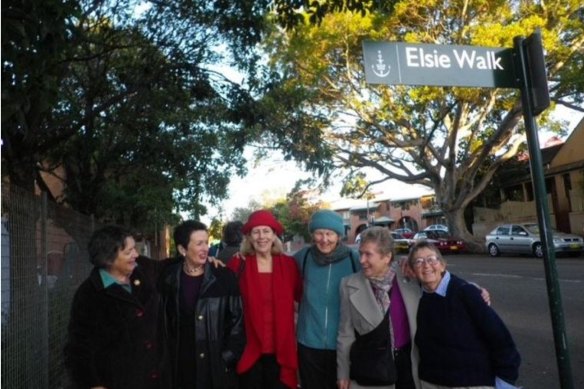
column 439, row 65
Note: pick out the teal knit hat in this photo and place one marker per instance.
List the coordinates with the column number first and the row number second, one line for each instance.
column 327, row 220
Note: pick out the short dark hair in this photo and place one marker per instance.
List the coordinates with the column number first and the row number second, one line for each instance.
column 232, row 235
column 182, row 232
column 105, row 243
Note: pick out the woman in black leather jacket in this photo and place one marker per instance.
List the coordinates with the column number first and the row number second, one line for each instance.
column 203, row 317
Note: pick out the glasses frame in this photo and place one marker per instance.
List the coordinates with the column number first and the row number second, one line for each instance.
column 430, row 260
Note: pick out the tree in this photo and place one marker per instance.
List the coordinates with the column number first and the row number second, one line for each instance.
column 295, row 210
column 123, row 106
column 452, row 140
column 36, row 37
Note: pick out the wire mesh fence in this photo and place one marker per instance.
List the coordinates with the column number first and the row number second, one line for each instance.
column 44, row 260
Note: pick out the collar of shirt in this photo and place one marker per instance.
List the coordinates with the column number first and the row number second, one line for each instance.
column 108, row 280
column 442, row 286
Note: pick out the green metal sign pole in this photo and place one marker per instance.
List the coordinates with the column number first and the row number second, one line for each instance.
column 534, row 99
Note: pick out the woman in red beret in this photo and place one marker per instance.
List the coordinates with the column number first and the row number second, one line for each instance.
column 270, row 284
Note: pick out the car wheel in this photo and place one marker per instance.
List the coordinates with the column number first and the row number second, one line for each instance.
column 538, row 250
column 494, row 250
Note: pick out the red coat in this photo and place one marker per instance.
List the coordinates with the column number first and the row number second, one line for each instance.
column 287, row 288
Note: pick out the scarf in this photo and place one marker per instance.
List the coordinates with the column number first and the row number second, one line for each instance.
column 381, row 286
column 283, row 279
column 340, row 252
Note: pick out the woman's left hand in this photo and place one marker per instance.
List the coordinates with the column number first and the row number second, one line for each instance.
column 215, row 262
column 486, row 296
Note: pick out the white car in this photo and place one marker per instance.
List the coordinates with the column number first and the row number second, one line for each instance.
column 434, row 227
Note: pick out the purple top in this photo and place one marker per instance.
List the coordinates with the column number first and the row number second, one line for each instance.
column 189, row 292
column 399, row 317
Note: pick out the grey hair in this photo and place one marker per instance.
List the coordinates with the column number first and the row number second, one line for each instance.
column 381, row 237
column 424, row 244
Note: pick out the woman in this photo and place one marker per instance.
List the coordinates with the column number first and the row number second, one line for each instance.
column 203, row 322
column 462, row 341
column 112, row 339
column 377, row 304
column 322, row 266
column 270, row 284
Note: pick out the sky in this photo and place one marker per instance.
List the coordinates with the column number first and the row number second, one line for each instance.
column 274, row 178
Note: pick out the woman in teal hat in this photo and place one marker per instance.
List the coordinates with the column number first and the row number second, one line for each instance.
column 322, row 266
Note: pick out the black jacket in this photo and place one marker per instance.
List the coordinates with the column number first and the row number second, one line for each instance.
column 219, row 331
column 113, row 335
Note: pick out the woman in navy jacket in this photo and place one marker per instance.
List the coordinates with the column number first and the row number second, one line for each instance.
column 461, row 340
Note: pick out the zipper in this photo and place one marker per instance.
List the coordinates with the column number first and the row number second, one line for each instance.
column 326, row 313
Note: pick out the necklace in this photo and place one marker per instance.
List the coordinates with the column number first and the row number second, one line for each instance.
column 191, row 271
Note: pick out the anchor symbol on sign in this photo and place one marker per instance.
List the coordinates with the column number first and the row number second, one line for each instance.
column 380, row 69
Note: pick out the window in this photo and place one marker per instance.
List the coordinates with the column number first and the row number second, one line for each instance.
column 516, row 230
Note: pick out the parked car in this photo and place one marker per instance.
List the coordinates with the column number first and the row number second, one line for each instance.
column 405, row 232
column 442, row 240
column 436, row 227
column 401, row 244
column 525, row 239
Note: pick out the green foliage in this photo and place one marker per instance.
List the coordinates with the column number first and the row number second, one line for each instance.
column 356, row 185
column 36, row 37
column 291, row 14
column 123, row 107
column 295, row 211
column 216, row 230
column 449, row 139
column 242, row 213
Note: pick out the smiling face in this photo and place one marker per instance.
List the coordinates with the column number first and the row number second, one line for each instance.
column 197, row 249
column 326, row 241
column 125, row 262
column 262, row 239
column 428, row 267
column 373, row 263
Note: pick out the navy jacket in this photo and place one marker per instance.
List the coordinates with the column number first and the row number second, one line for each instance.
column 462, row 341
column 113, row 335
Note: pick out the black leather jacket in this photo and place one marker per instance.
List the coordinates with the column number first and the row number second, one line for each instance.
column 219, row 330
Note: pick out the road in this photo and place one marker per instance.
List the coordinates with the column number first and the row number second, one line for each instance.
column 519, row 295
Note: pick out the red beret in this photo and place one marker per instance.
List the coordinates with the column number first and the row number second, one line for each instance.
column 262, row 218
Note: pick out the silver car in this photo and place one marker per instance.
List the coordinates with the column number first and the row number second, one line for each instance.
column 524, row 239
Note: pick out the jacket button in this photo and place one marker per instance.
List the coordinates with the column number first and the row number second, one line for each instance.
column 139, row 313
column 202, row 355
column 200, row 317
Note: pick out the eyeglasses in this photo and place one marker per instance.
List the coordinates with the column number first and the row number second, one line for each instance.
column 429, row 260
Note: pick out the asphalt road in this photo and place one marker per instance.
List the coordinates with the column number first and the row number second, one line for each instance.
column 519, row 295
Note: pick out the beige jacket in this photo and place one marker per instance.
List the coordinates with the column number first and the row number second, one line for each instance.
column 359, row 311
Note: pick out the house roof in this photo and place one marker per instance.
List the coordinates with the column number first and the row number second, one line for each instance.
column 382, row 220
column 518, row 170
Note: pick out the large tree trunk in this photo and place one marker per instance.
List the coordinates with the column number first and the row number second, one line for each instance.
column 457, row 226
